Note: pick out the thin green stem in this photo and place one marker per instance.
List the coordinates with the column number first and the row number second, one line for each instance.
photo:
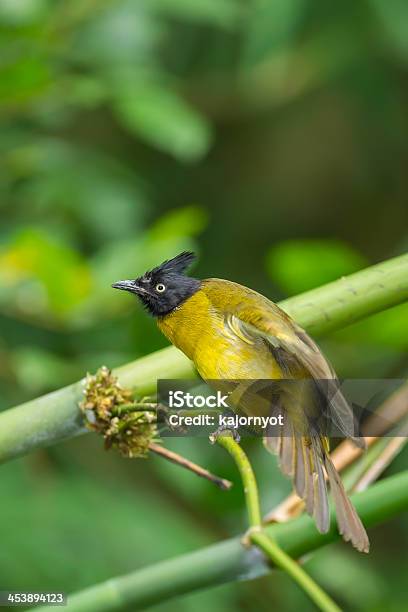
column 247, row 476
column 260, row 538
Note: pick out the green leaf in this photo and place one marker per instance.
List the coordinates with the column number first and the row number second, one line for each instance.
column 299, row 265
column 162, row 118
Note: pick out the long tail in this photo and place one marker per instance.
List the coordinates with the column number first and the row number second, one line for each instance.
column 302, row 458
column 348, row 521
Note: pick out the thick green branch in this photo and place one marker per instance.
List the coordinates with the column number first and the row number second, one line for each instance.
column 56, row 416
column 351, row 298
column 230, row 561
column 53, row 417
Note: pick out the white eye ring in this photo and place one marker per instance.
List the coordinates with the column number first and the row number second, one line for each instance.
column 160, row 288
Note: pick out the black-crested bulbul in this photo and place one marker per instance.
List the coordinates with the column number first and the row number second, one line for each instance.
column 231, row 332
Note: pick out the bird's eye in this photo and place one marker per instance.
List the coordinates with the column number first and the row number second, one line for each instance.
column 160, row 288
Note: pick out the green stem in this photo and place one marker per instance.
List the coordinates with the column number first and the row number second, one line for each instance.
column 56, row 416
column 229, row 561
column 260, row 538
column 247, row 476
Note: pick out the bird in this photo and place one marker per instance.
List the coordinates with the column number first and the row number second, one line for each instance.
column 231, row 332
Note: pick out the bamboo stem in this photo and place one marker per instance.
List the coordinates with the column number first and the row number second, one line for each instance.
column 351, row 298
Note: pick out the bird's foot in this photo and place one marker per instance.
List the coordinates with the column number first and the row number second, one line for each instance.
column 223, row 430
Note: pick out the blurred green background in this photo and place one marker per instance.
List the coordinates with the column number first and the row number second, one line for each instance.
column 269, row 136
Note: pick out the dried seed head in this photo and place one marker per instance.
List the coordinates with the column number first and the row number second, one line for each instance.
column 130, row 432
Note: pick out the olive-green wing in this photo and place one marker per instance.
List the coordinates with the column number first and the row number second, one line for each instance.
column 253, row 316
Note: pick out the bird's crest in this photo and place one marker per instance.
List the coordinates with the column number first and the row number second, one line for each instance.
column 176, row 265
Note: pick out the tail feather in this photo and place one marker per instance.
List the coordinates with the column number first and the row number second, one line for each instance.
column 321, row 510
column 309, row 492
column 300, row 477
column 348, row 521
column 287, row 449
column 302, row 459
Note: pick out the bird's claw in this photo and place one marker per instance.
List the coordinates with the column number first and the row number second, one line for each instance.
column 223, row 430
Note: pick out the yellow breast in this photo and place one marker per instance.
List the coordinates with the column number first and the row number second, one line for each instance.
column 203, row 334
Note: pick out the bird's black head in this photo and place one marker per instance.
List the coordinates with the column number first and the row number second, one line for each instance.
column 164, row 288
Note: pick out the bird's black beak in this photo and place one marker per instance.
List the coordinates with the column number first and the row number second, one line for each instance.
column 129, row 285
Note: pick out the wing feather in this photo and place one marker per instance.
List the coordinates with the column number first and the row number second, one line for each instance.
column 300, row 356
